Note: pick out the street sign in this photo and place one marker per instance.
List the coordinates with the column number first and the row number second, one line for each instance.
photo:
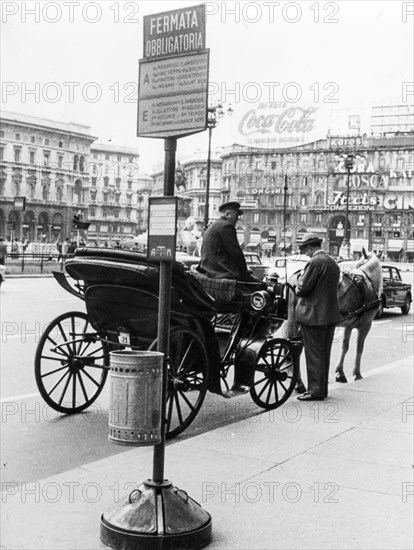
column 162, row 228
column 175, row 32
column 173, row 75
column 20, row 203
column 173, row 95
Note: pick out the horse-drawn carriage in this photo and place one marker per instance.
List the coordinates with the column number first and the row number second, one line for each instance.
column 211, row 339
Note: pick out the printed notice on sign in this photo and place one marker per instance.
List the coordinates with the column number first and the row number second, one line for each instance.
column 177, row 75
column 171, row 116
column 175, row 32
column 162, row 228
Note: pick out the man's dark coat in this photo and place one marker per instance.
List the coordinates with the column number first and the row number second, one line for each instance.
column 221, row 255
column 317, row 291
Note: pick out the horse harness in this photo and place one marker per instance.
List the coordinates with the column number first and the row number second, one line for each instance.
column 363, row 284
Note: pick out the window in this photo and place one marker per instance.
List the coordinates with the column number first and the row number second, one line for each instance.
column 17, row 151
column 318, row 218
column 32, row 139
column 60, row 161
column 106, row 181
column 129, row 184
column 1, row 153
column 1, row 134
column 118, row 158
column 46, row 141
column 117, row 199
column 303, row 218
column 93, row 196
column 32, row 157
column 45, row 192
column 105, row 198
column 17, row 137
column 92, row 212
column 93, row 181
column 106, row 157
column 46, row 158
column 59, row 194
column 75, row 162
column 303, row 200
column 60, row 144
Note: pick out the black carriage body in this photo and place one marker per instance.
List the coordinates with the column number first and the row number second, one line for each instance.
column 207, row 336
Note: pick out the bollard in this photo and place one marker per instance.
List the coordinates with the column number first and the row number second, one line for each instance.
column 135, row 397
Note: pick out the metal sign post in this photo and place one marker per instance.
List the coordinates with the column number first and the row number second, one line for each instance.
column 172, row 103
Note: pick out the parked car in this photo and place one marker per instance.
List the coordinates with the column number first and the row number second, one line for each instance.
column 395, row 293
column 285, row 265
column 255, row 264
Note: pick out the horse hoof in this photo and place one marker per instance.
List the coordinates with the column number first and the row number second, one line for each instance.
column 341, row 378
column 357, row 377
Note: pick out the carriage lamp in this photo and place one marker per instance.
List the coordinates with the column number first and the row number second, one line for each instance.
column 259, row 300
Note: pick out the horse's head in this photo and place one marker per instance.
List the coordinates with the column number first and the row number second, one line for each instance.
column 371, row 266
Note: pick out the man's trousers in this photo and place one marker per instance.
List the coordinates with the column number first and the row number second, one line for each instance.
column 317, row 341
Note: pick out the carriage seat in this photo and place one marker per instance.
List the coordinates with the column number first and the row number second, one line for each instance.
column 229, row 295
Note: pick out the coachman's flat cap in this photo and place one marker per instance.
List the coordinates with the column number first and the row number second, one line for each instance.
column 309, row 238
column 233, row 205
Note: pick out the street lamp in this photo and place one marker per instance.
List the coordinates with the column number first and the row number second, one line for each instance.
column 214, row 114
column 349, row 164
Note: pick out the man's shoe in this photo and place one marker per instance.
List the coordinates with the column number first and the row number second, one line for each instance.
column 309, row 397
column 300, row 388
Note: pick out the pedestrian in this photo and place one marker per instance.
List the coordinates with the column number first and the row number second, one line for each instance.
column 59, row 250
column 15, row 249
column 221, row 254
column 65, row 248
column 317, row 311
column 3, row 251
column 72, row 247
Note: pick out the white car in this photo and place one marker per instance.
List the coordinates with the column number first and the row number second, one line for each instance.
column 285, row 266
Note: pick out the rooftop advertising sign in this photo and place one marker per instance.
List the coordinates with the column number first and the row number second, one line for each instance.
column 281, row 124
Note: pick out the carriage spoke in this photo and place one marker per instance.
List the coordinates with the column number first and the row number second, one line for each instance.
column 54, row 371
column 90, row 377
column 178, row 407
column 187, row 400
column 264, row 387
column 85, row 395
column 59, row 381
column 65, row 388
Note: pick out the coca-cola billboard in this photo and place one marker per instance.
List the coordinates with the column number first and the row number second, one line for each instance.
column 281, row 125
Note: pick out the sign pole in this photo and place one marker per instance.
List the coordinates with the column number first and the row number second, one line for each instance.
column 158, row 515
column 170, row 146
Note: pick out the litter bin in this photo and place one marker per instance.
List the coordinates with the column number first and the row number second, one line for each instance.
column 135, row 405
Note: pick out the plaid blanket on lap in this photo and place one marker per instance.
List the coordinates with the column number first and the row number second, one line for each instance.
column 222, row 290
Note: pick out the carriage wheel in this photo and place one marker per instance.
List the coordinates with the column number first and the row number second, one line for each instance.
column 187, row 379
column 71, row 363
column 275, row 375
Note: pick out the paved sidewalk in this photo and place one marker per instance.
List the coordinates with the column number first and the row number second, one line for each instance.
column 335, row 474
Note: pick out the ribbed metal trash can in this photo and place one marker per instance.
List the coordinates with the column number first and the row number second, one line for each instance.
column 135, row 406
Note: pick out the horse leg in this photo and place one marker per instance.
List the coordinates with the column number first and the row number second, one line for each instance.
column 339, row 369
column 363, row 330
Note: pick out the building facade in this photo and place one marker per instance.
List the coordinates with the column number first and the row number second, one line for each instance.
column 50, row 171
column 43, row 162
column 286, row 193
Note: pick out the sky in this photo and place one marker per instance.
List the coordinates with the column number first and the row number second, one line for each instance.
column 77, row 61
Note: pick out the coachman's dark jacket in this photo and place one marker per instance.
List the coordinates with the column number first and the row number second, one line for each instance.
column 221, row 255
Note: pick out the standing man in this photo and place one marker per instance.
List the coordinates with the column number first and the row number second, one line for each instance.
column 3, row 251
column 317, row 311
column 221, row 255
